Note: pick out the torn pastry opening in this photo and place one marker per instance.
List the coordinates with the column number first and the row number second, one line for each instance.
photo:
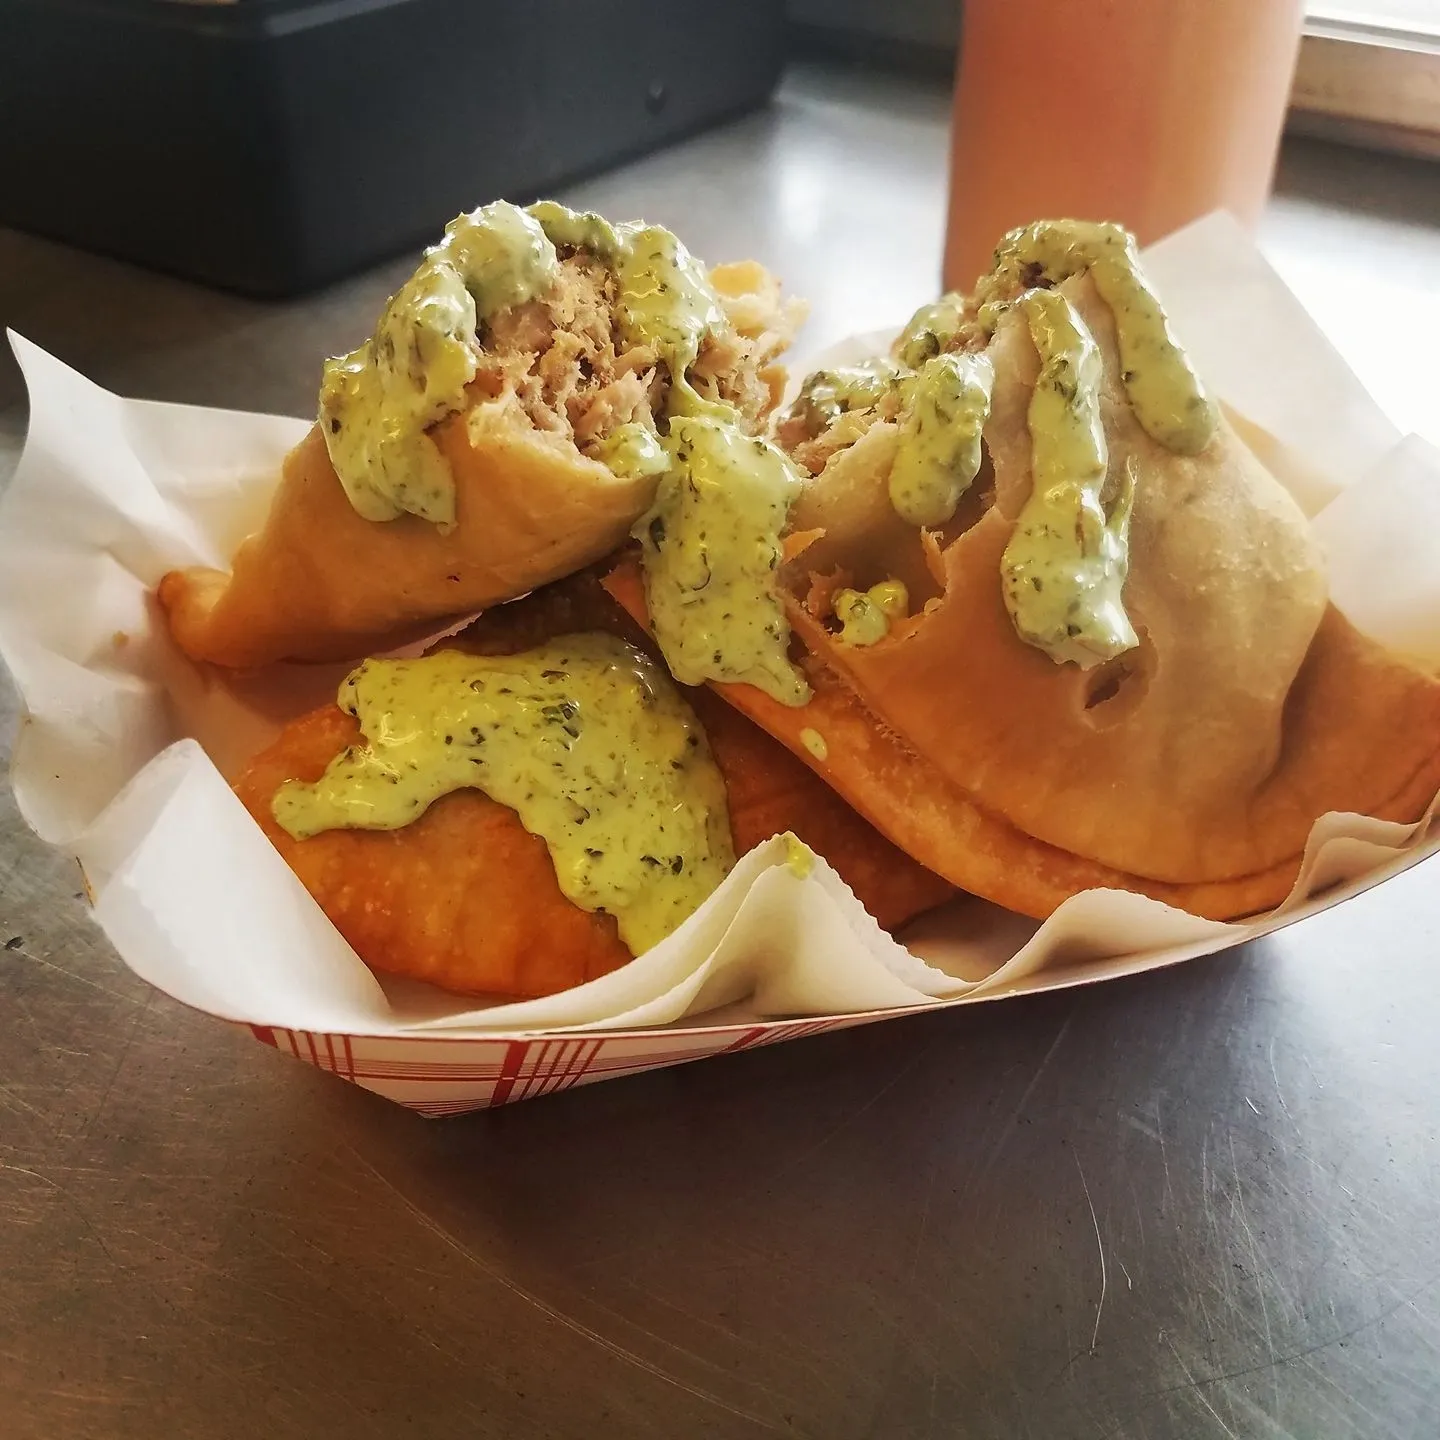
column 563, row 361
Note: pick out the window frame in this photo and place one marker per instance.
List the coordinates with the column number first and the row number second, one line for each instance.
column 1368, row 80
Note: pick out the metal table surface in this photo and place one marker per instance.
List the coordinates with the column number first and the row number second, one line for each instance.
column 1205, row 1202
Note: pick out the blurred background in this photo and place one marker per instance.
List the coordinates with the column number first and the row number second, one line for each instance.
column 301, row 151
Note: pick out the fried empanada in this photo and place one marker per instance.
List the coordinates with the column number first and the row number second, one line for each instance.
column 1190, row 768
column 555, row 381
column 466, row 898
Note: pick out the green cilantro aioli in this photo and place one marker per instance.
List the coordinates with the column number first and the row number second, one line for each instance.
column 668, row 304
column 632, row 452
column 929, row 330
column 1169, row 401
column 814, row 742
column 826, row 395
column 866, row 618
column 799, row 857
column 666, row 301
column 710, row 542
column 377, row 402
column 1064, row 568
column 711, row 546
column 939, row 451
column 502, row 256
column 578, row 229
column 584, row 738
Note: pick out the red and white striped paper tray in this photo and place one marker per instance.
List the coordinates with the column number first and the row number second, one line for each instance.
column 442, row 1075
column 437, row 1074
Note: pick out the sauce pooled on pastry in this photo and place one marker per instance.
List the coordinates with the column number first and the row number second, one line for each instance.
column 585, row 738
column 631, row 451
column 938, row 456
column 578, row 229
column 865, row 618
column 710, row 543
column 1064, row 569
column 828, row 394
column 814, row 742
column 1169, row 401
column 710, row 548
column 1065, row 564
column 930, row 330
column 667, row 303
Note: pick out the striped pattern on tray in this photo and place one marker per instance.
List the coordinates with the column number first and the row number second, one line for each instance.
column 446, row 1075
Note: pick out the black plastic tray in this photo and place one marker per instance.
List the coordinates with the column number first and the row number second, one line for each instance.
column 270, row 146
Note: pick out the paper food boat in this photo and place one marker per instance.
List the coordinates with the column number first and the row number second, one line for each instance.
column 124, row 751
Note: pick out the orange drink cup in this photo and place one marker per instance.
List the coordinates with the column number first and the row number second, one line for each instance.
column 1148, row 112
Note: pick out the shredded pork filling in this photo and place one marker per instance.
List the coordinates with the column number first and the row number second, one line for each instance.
column 810, row 440
column 559, row 361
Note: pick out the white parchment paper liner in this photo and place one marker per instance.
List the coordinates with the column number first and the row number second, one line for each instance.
column 123, row 756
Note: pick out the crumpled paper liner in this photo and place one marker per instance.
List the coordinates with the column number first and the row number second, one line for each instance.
column 126, row 747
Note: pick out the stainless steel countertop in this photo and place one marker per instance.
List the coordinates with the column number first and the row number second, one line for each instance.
column 1205, row 1202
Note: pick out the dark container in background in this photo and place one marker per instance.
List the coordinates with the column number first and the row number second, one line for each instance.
column 270, row 146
